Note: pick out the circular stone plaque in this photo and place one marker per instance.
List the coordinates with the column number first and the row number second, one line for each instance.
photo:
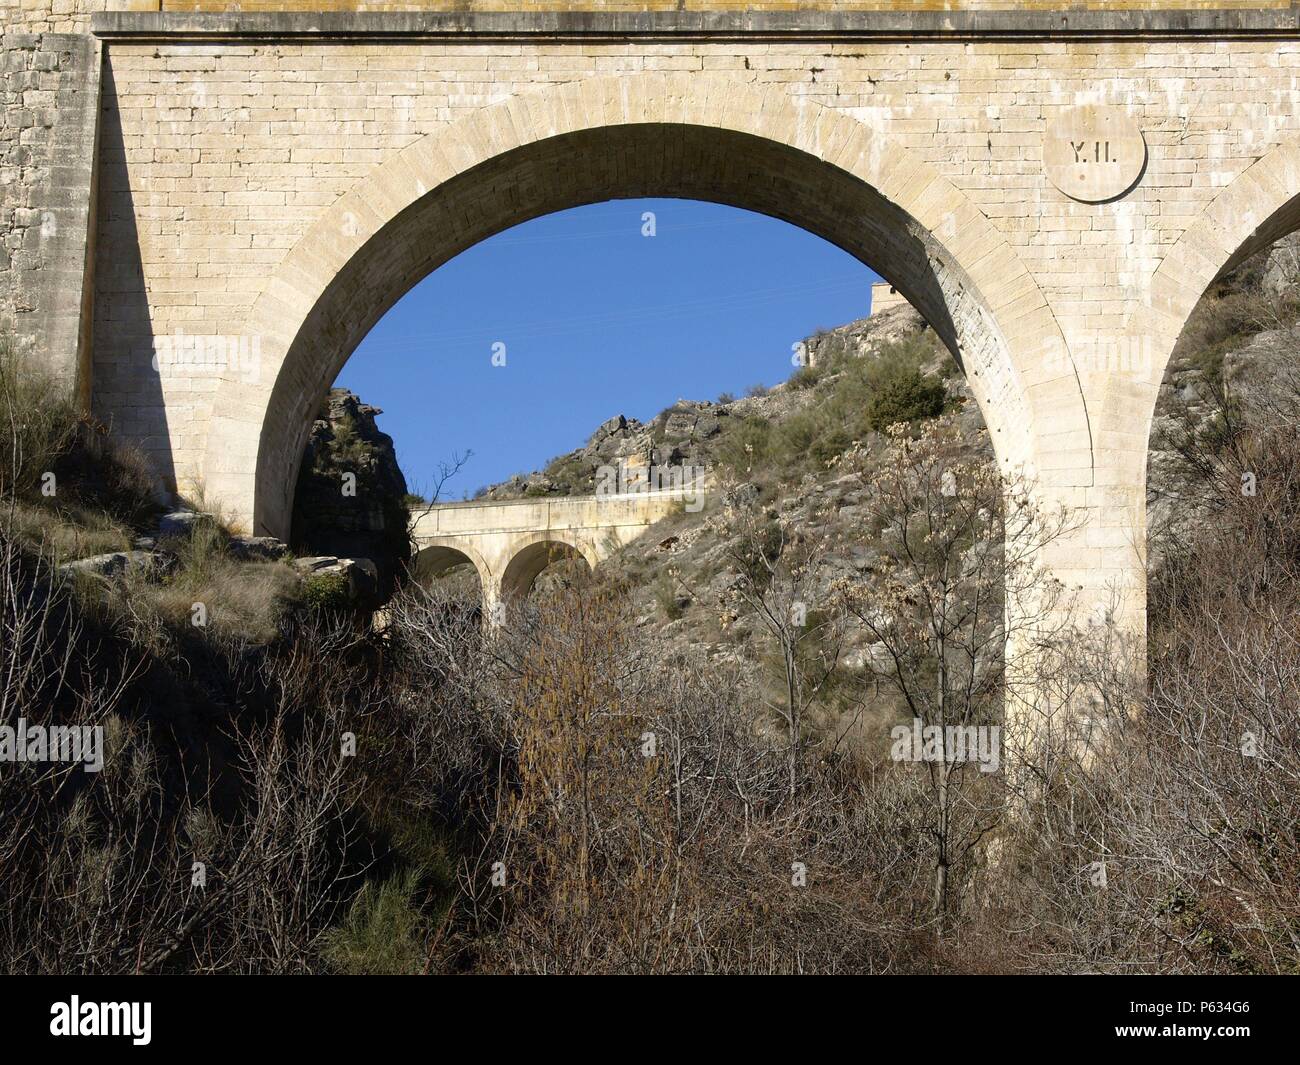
column 1094, row 153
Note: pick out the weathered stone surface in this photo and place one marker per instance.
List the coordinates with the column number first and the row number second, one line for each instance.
column 1093, row 153
column 183, row 522
column 50, row 92
column 359, row 575
column 117, row 562
column 1282, row 270
column 257, row 548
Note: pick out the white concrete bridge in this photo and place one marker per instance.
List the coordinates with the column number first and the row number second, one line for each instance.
column 511, row 542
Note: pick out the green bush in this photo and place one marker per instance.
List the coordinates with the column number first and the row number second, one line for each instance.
column 805, row 377
column 45, row 440
column 745, row 447
column 859, row 395
column 666, row 597
column 326, row 591
column 384, row 933
column 813, row 435
column 903, row 394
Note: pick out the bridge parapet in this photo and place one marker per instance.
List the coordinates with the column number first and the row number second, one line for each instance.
column 532, row 515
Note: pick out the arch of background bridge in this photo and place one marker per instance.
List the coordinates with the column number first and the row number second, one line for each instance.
column 1261, row 205
column 533, row 554
column 439, row 554
column 676, row 135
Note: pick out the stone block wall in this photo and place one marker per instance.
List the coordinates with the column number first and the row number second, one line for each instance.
column 239, row 159
column 65, row 16
column 50, row 87
column 217, row 157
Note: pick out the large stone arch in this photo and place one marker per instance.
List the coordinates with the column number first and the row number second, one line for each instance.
column 531, row 555
column 687, row 135
column 1258, row 207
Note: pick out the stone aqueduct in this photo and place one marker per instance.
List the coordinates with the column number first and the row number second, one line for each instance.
column 510, row 542
column 181, row 172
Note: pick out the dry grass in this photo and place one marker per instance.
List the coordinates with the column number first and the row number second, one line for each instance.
column 68, row 533
column 235, row 602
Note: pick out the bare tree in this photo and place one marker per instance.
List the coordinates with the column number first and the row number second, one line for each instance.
column 956, row 579
column 781, row 580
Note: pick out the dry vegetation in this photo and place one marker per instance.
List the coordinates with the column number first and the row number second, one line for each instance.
column 286, row 791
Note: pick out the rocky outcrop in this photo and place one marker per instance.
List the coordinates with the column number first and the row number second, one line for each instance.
column 1281, row 271
column 863, row 336
column 351, row 495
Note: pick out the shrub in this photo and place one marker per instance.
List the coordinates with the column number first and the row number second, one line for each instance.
column 326, row 591
column 571, row 474
column 805, row 377
column 903, row 394
column 66, row 533
column 384, row 932
column 666, row 596
column 38, row 423
column 745, row 445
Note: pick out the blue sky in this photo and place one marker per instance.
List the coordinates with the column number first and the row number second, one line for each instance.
column 596, row 319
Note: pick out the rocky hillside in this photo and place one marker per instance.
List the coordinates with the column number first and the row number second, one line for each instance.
column 780, row 446
column 1235, row 366
column 705, row 433
column 777, row 448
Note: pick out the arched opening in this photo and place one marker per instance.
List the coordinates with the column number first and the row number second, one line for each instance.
column 1203, row 307
column 1221, row 457
column 815, row 168
column 452, row 567
column 528, row 565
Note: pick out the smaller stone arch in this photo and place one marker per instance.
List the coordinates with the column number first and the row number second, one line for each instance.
column 531, row 558
column 441, row 554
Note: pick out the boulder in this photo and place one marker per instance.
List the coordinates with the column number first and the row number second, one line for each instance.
column 609, row 427
column 257, row 548
column 351, row 497
column 115, row 563
column 183, row 522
